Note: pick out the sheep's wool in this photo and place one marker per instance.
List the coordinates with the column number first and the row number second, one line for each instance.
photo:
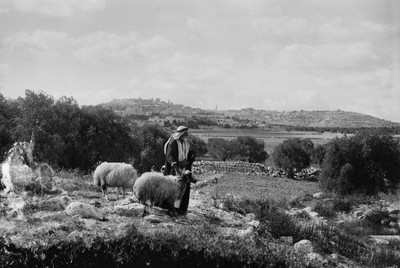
column 159, row 189
column 115, row 175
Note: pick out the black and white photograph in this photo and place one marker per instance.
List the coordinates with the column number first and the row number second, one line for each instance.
column 189, row 133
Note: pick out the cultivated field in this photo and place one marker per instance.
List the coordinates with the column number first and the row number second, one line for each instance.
column 271, row 137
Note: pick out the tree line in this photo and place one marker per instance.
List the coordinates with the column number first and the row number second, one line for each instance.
column 68, row 136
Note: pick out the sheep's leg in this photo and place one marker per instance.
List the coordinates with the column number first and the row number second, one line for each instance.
column 177, row 204
column 145, row 212
column 104, row 191
column 174, row 210
column 123, row 192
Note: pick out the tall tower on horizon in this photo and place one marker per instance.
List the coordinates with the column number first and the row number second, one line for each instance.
column 216, row 107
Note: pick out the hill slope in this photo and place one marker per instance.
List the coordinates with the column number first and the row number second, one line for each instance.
column 300, row 118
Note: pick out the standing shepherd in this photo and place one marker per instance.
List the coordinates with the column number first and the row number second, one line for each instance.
column 179, row 157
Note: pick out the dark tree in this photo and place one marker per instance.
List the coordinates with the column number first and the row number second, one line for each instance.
column 219, row 148
column 367, row 162
column 151, row 140
column 249, row 149
column 318, row 154
column 198, row 145
column 291, row 155
column 7, row 123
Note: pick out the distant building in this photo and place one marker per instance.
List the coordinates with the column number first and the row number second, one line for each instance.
column 169, row 119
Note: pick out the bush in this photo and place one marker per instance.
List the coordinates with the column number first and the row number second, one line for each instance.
column 342, row 204
column 293, row 154
column 324, row 209
column 365, row 163
column 268, row 212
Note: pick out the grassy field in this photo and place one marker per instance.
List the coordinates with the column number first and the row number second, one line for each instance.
column 257, row 187
column 271, row 137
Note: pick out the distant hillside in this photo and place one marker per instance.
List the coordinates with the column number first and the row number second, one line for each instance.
column 303, row 118
column 338, row 118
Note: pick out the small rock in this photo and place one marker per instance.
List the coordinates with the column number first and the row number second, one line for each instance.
column 333, row 258
column 315, row 260
column 313, row 214
column 74, row 236
column 250, row 217
column 393, row 224
column 84, row 210
column 254, row 223
column 394, row 211
column 303, row 247
column 381, row 241
column 288, row 240
column 371, row 212
column 307, row 209
column 319, row 195
column 247, row 232
column 130, row 210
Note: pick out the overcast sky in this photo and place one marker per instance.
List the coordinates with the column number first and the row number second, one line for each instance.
column 266, row 54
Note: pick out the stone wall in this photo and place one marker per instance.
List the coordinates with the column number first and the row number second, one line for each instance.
column 250, row 168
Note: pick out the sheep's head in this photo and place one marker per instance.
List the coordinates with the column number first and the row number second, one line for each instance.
column 188, row 176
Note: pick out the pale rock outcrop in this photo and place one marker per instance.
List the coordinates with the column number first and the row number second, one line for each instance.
column 84, row 210
column 303, row 247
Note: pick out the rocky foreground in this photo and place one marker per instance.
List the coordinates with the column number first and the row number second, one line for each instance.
column 81, row 215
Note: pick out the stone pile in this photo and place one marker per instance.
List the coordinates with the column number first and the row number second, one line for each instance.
column 310, row 173
column 382, row 212
column 250, row 169
column 236, row 166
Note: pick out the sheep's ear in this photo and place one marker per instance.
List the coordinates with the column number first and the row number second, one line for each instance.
column 178, row 171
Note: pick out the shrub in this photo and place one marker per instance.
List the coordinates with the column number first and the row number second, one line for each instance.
column 324, row 209
column 292, row 154
column 342, row 204
column 268, row 212
column 367, row 162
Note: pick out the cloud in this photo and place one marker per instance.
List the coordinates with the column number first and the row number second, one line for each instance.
column 194, row 24
column 154, row 46
column 289, row 28
column 191, row 68
column 358, row 55
column 254, row 5
column 102, row 46
column 64, row 8
column 95, row 47
column 38, row 41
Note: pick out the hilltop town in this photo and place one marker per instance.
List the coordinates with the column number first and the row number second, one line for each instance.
column 164, row 113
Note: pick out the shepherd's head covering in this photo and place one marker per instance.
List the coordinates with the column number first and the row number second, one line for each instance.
column 175, row 136
column 181, row 129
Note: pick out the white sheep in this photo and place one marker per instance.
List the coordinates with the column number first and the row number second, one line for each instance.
column 114, row 174
column 162, row 191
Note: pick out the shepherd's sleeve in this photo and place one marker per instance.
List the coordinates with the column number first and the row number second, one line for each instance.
column 172, row 152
